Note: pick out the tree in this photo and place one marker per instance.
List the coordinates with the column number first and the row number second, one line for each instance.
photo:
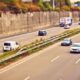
column 31, row 7
column 57, row 9
column 3, row 6
column 7, row 1
column 68, row 3
column 66, row 8
column 75, row 8
column 78, row 2
column 61, row 3
column 40, row 4
column 48, row 6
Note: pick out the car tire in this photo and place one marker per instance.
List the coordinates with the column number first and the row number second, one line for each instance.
column 71, row 52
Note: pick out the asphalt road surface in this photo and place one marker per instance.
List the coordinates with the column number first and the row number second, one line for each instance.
column 53, row 63
column 29, row 37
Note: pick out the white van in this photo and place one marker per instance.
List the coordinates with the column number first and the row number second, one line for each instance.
column 62, row 22
column 65, row 21
column 10, row 45
column 68, row 21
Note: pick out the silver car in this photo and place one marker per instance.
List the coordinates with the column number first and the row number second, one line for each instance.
column 75, row 48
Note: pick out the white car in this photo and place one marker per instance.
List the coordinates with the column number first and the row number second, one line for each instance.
column 10, row 45
column 75, row 48
column 66, row 42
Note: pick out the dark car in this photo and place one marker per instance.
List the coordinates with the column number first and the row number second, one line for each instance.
column 62, row 24
column 66, row 42
column 42, row 33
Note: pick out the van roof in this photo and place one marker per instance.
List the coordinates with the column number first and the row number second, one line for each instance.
column 76, row 43
column 9, row 41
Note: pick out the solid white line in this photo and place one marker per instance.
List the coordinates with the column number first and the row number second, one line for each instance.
column 55, row 58
column 27, row 78
column 77, row 61
column 13, row 65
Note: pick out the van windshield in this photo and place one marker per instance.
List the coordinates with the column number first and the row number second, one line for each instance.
column 6, row 44
column 76, row 45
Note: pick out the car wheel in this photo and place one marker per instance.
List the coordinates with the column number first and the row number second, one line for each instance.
column 70, row 51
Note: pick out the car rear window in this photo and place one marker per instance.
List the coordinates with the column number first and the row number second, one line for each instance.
column 6, row 44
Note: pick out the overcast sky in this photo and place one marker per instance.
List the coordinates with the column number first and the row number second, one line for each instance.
column 74, row 0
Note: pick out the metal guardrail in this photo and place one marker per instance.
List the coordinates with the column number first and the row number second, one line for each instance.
column 40, row 44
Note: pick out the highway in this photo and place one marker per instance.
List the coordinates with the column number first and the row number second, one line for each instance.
column 52, row 63
column 29, row 37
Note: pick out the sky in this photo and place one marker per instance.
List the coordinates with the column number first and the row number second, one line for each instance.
column 74, row 0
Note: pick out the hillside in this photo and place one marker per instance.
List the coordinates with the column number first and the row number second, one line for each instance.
column 17, row 6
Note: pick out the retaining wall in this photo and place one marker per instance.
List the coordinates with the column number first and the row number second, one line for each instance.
column 30, row 21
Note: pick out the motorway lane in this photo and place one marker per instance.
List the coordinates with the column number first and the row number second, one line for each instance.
column 29, row 37
column 53, row 63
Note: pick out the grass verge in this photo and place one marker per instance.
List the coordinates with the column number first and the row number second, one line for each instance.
column 32, row 50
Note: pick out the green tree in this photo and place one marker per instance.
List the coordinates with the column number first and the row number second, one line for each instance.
column 7, row 1
column 78, row 2
column 48, row 6
column 61, row 3
column 40, row 4
column 68, row 3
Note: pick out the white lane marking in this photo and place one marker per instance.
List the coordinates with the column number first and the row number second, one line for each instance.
column 13, row 65
column 77, row 61
column 55, row 58
column 27, row 78
column 17, row 63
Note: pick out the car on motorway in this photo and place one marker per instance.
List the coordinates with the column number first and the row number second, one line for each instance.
column 66, row 27
column 75, row 48
column 10, row 45
column 42, row 33
column 66, row 42
column 79, row 23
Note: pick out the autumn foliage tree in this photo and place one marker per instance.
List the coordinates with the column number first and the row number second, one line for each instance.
column 75, row 8
column 19, row 6
column 32, row 7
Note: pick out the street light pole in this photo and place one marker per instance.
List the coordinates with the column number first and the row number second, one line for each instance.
column 79, row 15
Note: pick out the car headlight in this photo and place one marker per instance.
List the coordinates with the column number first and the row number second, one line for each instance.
column 78, row 49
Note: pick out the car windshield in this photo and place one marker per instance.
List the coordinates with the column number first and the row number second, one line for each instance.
column 66, row 40
column 6, row 44
column 76, row 45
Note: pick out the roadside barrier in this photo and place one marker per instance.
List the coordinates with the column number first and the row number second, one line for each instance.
column 40, row 44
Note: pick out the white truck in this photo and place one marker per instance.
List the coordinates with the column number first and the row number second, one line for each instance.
column 65, row 21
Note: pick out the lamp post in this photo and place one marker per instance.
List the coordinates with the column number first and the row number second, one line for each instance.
column 79, row 17
column 60, row 5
